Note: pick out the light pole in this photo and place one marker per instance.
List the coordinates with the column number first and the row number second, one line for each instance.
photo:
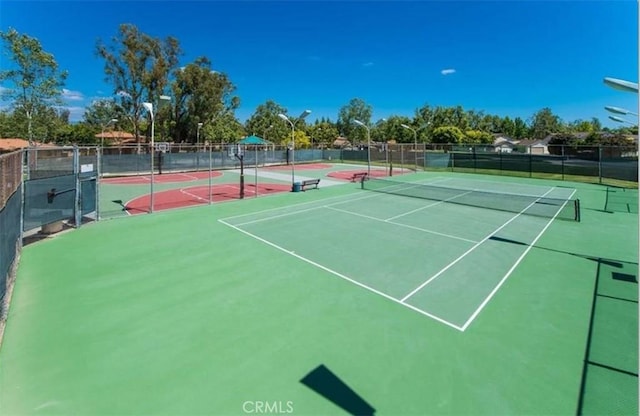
column 104, row 126
column 198, row 135
column 149, row 108
column 415, row 140
column 266, row 130
column 360, row 123
column 293, row 142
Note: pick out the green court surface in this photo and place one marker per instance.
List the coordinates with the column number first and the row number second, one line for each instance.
column 418, row 306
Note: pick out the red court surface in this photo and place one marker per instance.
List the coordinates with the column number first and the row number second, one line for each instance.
column 348, row 175
column 303, row 166
column 199, row 195
column 160, row 178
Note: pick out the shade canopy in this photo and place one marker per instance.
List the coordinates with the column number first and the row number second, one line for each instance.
column 254, row 140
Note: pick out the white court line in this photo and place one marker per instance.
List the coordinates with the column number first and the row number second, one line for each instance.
column 193, row 178
column 506, row 276
column 400, row 224
column 185, row 192
column 463, row 255
column 342, row 276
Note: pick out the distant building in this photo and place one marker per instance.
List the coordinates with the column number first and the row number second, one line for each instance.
column 534, row 147
column 341, row 142
column 503, row 143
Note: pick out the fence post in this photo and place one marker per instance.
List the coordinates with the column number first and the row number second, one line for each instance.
column 24, row 154
column 210, row 169
column 76, row 171
column 530, row 162
column 562, row 159
column 475, row 161
column 98, row 180
column 600, row 163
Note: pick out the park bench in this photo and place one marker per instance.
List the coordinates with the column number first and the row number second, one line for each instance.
column 359, row 175
column 310, row 182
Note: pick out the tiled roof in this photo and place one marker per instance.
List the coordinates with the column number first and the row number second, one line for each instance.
column 13, row 144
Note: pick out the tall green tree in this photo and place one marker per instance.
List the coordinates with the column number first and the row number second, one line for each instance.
column 200, row 95
column 224, row 129
column 544, row 123
column 138, row 67
column 356, row 109
column 447, row 134
column 423, row 115
column 391, row 129
column 34, row 78
column 477, row 136
column 323, row 133
column 520, row 129
column 9, row 126
column 265, row 122
column 100, row 112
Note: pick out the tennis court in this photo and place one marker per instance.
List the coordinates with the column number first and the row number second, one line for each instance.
column 433, row 293
column 441, row 259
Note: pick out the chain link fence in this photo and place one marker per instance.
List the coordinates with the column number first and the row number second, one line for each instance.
column 10, row 224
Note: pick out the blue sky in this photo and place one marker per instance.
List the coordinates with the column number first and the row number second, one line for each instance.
column 503, row 57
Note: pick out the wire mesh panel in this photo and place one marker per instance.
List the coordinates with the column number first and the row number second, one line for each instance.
column 527, row 204
column 10, row 218
column 46, row 162
column 61, row 185
column 49, row 200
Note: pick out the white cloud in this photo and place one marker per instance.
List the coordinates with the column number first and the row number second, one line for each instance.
column 72, row 95
column 448, row 71
column 367, row 64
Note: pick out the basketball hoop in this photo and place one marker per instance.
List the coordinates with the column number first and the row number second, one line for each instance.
column 162, row 147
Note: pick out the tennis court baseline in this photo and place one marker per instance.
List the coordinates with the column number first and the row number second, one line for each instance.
column 439, row 258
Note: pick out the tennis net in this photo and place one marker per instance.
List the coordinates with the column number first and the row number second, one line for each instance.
column 541, row 206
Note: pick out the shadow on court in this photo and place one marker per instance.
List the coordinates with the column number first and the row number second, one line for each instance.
column 621, row 200
column 325, row 383
column 609, row 376
column 610, row 262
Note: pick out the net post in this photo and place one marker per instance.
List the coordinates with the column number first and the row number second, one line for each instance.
column 577, row 209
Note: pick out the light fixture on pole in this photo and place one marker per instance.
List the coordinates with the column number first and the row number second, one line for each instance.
column 198, row 134
column 104, row 126
column 149, row 108
column 293, row 142
column 622, row 85
column 360, row 123
column 618, row 110
column 627, row 86
column 621, row 120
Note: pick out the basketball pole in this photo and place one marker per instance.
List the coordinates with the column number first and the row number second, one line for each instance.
column 240, row 155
